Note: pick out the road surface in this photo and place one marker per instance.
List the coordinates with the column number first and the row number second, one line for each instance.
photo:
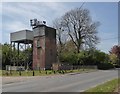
column 62, row 83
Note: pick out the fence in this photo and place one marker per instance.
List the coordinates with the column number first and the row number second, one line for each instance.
column 8, row 68
column 59, row 66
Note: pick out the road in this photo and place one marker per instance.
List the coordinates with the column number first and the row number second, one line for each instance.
column 62, row 83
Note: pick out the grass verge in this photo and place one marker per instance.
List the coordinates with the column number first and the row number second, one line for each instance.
column 0, row 72
column 109, row 86
column 43, row 73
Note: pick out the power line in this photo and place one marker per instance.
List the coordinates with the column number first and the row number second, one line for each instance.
column 82, row 5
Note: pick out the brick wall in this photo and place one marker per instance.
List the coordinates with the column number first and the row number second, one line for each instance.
column 45, row 55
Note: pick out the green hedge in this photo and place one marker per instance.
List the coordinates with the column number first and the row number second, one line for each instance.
column 117, row 66
column 105, row 66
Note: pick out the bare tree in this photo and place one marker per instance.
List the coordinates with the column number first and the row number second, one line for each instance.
column 80, row 28
column 61, row 39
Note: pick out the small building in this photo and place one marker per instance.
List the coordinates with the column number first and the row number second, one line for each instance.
column 56, row 66
column 61, row 66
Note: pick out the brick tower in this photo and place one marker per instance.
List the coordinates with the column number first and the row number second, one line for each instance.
column 44, row 45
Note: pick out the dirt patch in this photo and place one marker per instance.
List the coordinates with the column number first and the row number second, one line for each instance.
column 117, row 90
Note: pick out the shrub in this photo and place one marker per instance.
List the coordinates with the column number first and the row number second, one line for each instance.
column 85, row 57
column 68, row 57
column 105, row 66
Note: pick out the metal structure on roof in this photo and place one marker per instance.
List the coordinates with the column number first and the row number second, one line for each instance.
column 35, row 23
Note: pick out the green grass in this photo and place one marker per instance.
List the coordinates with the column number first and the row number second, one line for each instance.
column 0, row 72
column 43, row 73
column 109, row 86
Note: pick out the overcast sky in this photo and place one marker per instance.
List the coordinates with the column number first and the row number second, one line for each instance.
column 16, row 16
